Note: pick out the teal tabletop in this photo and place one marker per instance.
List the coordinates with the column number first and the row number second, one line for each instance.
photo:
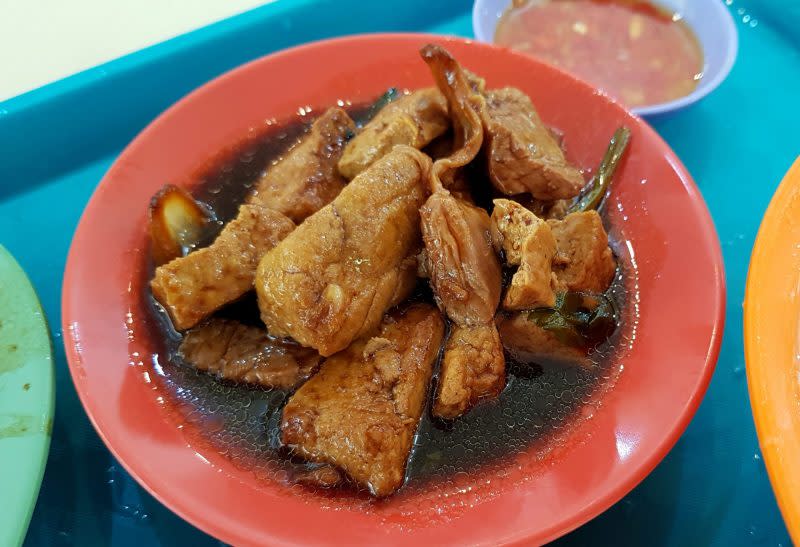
column 58, row 141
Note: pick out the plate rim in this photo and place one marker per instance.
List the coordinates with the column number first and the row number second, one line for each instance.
column 769, row 340
column 20, row 519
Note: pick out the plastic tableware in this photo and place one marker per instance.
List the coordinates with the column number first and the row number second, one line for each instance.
column 26, row 399
column 709, row 19
column 531, row 498
column 772, row 344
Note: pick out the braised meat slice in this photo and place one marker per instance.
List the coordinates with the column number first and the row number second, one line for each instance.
column 522, row 153
column 242, row 353
column 307, row 179
column 414, row 120
column 361, row 410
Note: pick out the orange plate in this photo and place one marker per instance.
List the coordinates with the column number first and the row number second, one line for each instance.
column 772, row 345
column 535, row 495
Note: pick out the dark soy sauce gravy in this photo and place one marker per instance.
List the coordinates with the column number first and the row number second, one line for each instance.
column 243, row 422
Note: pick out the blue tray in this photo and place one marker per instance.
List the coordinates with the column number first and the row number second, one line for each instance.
column 58, row 141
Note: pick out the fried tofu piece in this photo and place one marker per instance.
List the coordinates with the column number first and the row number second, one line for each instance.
column 242, row 353
column 473, row 368
column 332, row 279
column 583, row 260
column 361, row 410
column 528, row 243
column 192, row 287
column 527, row 342
column 523, row 156
column 414, row 120
column 307, row 178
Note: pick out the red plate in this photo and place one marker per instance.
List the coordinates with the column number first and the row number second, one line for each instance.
column 679, row 292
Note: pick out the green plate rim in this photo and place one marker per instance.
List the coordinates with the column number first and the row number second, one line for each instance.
column 37, row 361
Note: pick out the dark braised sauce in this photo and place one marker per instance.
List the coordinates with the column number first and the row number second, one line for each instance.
column 242, row 422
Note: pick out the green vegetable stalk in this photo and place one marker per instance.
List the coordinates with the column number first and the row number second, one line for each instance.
column 593, row 193
column 391, row 95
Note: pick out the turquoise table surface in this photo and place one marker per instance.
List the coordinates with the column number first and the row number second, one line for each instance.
column 57, row 142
